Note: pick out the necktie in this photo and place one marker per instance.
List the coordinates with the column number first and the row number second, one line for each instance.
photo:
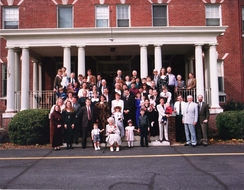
column 200, row 105
column 180, row 108
column 88, row 113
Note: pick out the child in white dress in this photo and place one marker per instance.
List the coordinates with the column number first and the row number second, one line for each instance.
column 129, row 132
column 118, row 120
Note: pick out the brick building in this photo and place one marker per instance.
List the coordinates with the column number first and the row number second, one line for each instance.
column 199, row 36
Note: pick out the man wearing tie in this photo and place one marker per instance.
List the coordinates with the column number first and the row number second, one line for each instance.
column 203, row 117
column 190, row 117
column 179, row 107
column 86, row 116
column 72, row 79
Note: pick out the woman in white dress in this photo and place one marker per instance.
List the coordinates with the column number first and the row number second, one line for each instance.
column 118, row 120
column 113, row 135
column 117, row 102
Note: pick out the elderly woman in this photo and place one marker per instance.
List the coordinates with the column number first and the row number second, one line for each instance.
column 113, row 134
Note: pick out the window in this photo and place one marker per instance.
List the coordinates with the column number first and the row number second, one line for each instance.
column 10, row 18
column 242, row 19
column 159, row 15
column 65, row 17
column 4, row 80
column 213, row 15
column 102, row 16
column 220, row 67
column 123, row 15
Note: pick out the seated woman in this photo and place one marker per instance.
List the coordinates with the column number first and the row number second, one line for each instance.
column 113, row 134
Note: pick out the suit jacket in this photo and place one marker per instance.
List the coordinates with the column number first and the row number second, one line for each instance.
column 82, row 114
column 190, row 114
column 129, row 104
column 203, row 112
column 161, row 111
column 191, row 84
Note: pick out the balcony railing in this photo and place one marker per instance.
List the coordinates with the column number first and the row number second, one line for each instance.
column 46, row 98
column 37, row 99
column 186, row 92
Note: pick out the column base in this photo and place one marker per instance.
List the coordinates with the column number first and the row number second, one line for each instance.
column 215, row 110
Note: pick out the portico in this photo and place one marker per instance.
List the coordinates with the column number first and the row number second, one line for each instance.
column 33, row 44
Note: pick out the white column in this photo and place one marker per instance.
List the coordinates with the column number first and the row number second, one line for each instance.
column 143, row 66
column 214, row 77
column 25, row 73
column 40, row 78
column 67, row 59
column 10, row 81
column 158, row 57
column 199, row 70
column 35, row 84
column 81, row 60
column 17, row 80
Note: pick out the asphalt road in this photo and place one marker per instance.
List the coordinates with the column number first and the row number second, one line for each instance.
column 154, row 168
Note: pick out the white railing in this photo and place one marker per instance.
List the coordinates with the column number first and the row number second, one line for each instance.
column 37, row 99
column 186, row 92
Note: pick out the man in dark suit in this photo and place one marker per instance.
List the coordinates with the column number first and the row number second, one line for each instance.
column 202, row 125
column 129, row 107
column 76, row 107
column 86, row 116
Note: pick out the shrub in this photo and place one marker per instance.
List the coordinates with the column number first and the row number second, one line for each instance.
column 232, row 105
column 30, row 127
column 230, row 124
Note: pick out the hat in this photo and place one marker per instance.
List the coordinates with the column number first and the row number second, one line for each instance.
column 129, row 121
column 117, row 107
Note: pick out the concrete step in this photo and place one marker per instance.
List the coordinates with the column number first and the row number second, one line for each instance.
column 154, row 142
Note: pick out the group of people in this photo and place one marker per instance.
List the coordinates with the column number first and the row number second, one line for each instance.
column 91, row 106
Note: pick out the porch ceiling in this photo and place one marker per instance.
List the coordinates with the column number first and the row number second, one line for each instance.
column 108, row 50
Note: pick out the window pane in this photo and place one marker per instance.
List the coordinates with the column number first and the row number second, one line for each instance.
column 123, row 23
column 213, row 22
column 123, row 12
column 102, row 23
column 11, row 17
column 212, row 11
column 159, row 16
column 65, row 17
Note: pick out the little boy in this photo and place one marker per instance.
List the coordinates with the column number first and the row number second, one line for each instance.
column 61, row 94
column 95, row 134
column 143, row 127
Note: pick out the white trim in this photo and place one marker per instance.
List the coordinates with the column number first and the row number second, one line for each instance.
column 20, row 2
column 100, row 36
column 54, row 2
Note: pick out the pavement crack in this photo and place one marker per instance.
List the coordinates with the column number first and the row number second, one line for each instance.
column 203, row 171
column 24, row 171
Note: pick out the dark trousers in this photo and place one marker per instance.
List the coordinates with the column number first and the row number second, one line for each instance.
column 171, row 89
column 179, row 129
column 144, row 133
column 77, row 131
column 85, row 131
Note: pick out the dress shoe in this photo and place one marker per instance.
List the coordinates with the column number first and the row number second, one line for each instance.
column 117, row 149
column 205, row 145
column 111, row 149
column 186, row 144
column 193, row 145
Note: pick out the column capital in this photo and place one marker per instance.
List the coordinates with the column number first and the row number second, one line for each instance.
column 24, row 47
column 199, row 44
column 81, row 46
column 143, row 45
column 158, row 45
column 66, row 46
column 213, row 44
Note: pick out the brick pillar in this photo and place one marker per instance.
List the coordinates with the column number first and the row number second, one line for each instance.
column 171, row 129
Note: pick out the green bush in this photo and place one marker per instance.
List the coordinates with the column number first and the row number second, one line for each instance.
column 233, row 105
column 30, row 127
column 230, row 124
